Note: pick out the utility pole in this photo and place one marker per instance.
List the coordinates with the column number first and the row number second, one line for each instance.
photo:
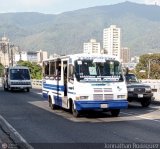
column 11, row 53
column 149, row 68
column 20, row 53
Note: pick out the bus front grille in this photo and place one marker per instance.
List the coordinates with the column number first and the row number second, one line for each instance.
column 98, row 97
column 108, row 96
column 103, row 97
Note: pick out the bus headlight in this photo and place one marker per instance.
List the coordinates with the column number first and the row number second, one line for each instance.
column 82, row 97
column 121, row 96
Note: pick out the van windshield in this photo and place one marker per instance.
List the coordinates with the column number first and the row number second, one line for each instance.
column 89, row 70
column 19, row 74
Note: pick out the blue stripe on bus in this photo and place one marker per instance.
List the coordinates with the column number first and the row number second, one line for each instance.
column 45, row 95
column 58, row 100
column 53, row 87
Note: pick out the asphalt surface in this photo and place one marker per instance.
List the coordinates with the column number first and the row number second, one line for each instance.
column 30, row 116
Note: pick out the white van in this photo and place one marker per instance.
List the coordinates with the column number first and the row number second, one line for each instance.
column 17, row 77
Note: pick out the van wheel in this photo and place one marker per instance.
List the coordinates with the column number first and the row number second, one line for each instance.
column 5, row 89
column 115, row 112
column 8, row 88
column 74, row 111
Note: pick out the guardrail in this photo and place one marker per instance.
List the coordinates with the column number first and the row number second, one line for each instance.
column 36, row 83
column 155, row 85
column 0, row 82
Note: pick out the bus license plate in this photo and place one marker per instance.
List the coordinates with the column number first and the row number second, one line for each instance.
column 140, row 95
column 104, row 106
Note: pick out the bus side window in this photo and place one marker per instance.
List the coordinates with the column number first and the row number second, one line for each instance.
column 46, row 70
column 52, row 70
column 71, row 72
column 58, row 69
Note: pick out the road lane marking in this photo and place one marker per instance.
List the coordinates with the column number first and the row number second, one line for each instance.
column 142, row 117
column 21, row 140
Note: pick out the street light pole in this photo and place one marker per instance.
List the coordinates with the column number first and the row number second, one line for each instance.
column 149, row 68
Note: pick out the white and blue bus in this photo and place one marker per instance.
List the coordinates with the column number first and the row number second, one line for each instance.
column 82, row 82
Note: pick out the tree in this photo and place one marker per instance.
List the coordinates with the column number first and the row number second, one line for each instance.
column 1, row 69
column 150, row 64
column 36, row 70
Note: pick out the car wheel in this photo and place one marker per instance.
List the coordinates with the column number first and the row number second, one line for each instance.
column 115, row 112
column 146, row 103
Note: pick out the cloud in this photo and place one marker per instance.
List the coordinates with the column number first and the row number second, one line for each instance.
column 57, row 6
column 152, row 2
column 27, row 5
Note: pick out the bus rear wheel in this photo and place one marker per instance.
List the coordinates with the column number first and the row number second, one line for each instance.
column 51, row 105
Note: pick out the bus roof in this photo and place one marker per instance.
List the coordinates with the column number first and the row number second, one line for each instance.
column 83, row 55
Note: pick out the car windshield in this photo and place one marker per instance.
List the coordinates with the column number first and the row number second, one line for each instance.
column 90, row 70
column 131, row 78
column 19, row 74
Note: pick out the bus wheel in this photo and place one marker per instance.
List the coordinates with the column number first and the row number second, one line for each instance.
column 53, row 106
column 28, row 89
column 115, row 112
column 74, row 111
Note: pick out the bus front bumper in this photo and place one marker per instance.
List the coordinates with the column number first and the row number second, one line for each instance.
column 93, row 105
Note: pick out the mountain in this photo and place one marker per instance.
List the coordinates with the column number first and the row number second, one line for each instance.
column 65, row 33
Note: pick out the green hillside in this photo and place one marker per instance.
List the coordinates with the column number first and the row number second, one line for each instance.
column 65, row 33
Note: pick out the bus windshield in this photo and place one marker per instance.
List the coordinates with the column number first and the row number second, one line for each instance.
column 19, row 74
column 90, row 70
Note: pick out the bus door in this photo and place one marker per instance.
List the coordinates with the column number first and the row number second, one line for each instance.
column 65, row 76
column 58, row 78
column 65, row 82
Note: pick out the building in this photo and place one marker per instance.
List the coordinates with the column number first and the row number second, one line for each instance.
column 135, row 59
column 41, row 55
column 92, row 47
column 4, row 51
column 125, row 55
column 32, row 56
column 112, row 40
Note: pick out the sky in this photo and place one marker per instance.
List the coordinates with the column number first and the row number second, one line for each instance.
column 58, row 6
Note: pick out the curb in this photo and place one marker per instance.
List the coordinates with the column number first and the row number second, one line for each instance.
column 14, row 135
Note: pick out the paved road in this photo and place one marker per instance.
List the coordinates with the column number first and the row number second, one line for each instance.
column 30, row 115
